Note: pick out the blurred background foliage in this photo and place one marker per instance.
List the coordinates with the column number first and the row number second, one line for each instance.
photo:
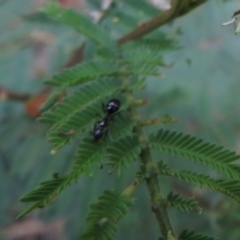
column 201, row 90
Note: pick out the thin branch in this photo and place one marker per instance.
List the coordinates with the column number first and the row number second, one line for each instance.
column 178, row 9
column 140, row 177
column 131, row 188
column 6, row 94
column 158, row 204
column 76, row 57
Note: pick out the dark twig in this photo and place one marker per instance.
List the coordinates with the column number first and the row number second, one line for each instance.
column 178, row 9
column 6, row 94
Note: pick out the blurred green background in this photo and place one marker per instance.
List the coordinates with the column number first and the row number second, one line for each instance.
column 201, row 90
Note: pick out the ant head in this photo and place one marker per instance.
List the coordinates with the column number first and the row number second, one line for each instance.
column 112, row 106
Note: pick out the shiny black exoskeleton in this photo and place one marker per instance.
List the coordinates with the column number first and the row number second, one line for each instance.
column 112, row 106
column 110, row 110
column 100, row 128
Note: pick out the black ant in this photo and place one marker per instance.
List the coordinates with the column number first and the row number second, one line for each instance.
column 111, row 110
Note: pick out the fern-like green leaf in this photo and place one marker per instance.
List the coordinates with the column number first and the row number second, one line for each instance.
column 187, row 205
column 84, row 72
column 78, row 22
column 80, row 99
column 44, row 193
column 121, row 126
column 96, row 69
column 195, row 149
column 51, row 101
column 192, row 235
column 144, row 52
column 123, row 151
column 107, row 53
column 78, row 110
column 89, row 152
column 142, row 68
column 101, row 222
column 161, row 42
column 230, row 188
column 61, row 134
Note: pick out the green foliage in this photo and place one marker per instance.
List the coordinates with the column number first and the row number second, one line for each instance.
column 197, row 150
column 96, row 69
column 78, row 110
column 123, row 151
column 88, row 153
column 78, row 22
column 186, row 205
column 102, row 219
column 191, row 235
column 84, row 72
column 44, row 194
column 117, row 72
column 51, row 100
column 148, row 51
column 230, row 188
column 85, row 96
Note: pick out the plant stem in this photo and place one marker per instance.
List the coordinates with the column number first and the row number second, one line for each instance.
column 178, row 9
column 158, row 205
column 157, row 201
column 131, row 188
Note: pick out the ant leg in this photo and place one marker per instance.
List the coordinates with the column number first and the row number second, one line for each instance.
column 109, row 134
column 114, row 114
column 111, row 117
column 103, row 108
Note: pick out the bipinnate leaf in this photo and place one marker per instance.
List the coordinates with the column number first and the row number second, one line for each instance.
column 52, row 100
column 120, row 127
column 96, row 69
column 104, row 215
column 183, row 204
column 123, row 151
column 229, row 187
column 85, row 72
column 89, row 153
column 80, row 99
column 179, row 144
column 192, row 235
column 78, row 110
column 79, row 23
column 44, row 193
column 142, row 53
column 73, row 126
